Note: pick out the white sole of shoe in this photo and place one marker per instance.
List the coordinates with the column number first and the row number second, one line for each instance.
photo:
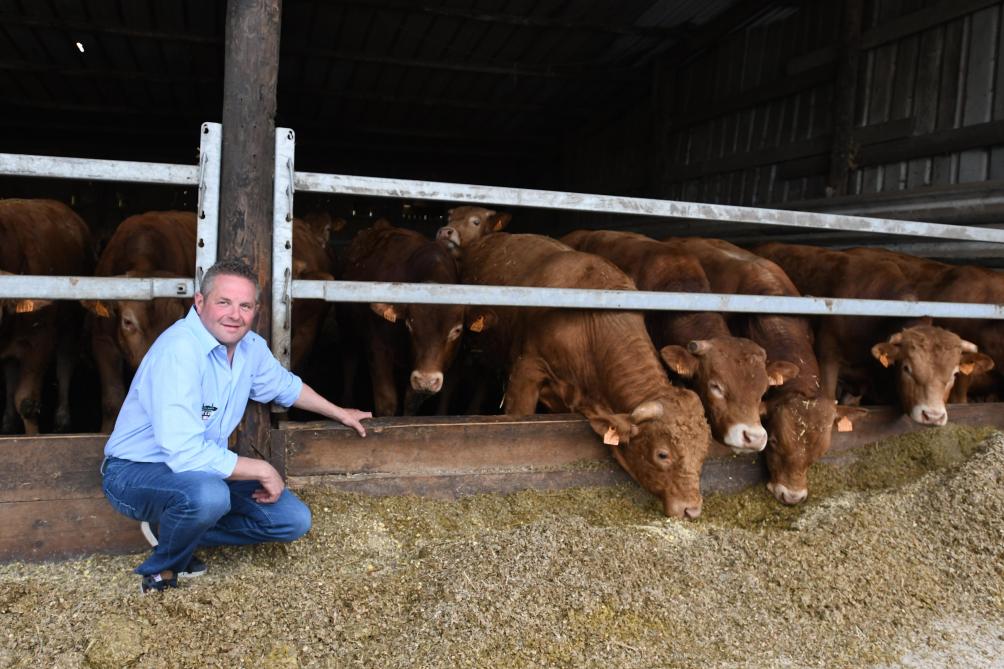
column 148, row 534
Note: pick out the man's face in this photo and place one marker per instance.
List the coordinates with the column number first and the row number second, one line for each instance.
column 228, row 309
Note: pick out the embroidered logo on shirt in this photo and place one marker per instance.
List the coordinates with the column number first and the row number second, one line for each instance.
column 207, row 411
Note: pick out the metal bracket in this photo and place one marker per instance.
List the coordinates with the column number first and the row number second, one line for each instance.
column 208, row 227
column 282, row 244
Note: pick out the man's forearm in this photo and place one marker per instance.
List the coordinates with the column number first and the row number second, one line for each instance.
column 309, row 400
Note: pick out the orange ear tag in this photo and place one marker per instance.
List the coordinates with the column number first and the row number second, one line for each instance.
column 845, row 424
column 389, row 315
column 478, row 325
column 610, row 438
column 884, row 359
column 967, row 368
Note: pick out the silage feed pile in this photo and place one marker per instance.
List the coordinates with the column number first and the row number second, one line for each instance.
column 895, row 561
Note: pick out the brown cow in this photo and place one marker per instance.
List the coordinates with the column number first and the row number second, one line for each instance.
column 599, row 363
column 40, row 237
column 467, row 224
column 388, row 331
column 799, row 414
column 730, row 374
column 927, row 358
column 941, row 282
column 162, row 244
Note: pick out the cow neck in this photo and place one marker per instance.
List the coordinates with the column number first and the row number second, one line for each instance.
column 789, row 339
column 627, row 367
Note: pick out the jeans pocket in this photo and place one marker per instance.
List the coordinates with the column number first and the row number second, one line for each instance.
column 115, row 493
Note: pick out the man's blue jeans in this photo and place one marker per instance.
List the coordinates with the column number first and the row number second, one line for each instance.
column 195, row 509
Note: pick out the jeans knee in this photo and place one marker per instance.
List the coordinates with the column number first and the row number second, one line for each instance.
column 298, row 522
column 209, row 502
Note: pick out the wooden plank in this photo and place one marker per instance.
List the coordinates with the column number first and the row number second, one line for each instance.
column 49, row 467
column 978, row 100
column 845, row 98
column 251, row 68
column 44, row 530
column 925, row 105
column 457, row 456
column 919, row 21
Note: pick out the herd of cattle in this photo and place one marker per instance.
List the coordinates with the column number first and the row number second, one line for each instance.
column 655, row 387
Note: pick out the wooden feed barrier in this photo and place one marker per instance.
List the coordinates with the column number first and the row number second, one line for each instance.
column 51, row 504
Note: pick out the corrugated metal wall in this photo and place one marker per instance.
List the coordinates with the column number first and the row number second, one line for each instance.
column 753, row 120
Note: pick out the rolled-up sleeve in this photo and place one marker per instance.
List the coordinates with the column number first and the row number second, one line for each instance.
column 271, row 381
column 174, row 405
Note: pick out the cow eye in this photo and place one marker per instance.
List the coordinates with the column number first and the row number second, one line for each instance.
column 455, row 332
column 662, row 455
column 716, row 389
column 476, row 221
column 409, row 325
column 907, row 368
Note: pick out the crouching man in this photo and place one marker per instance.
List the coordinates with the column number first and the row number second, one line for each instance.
column 167, row 463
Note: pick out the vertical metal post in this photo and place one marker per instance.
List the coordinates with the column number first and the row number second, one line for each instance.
column 282, row 245
column 208, row 227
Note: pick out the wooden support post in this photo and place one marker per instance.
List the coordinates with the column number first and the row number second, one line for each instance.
column 251, row 72
column 848, row 53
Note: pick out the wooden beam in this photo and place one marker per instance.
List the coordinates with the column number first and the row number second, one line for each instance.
column 249, row 99
column 848, row 52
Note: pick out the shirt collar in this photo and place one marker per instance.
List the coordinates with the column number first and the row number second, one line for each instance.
column 207, row 342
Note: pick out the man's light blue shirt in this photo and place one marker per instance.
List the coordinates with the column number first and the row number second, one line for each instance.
column 186, row 398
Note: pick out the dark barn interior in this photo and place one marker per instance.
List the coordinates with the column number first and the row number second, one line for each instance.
column 887, row 108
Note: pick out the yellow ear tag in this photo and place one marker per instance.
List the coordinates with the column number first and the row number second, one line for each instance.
column 611, row 438
column 478, row 325
column 884, row 359
column 967, row 368
column 24, row 307
column 389, row 315
column 845, row 424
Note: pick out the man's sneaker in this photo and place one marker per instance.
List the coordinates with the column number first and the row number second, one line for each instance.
column 157, row 582
column 148, row 534
column 196, row 567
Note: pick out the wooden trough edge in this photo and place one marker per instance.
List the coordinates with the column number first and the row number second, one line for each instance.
column 51, row 504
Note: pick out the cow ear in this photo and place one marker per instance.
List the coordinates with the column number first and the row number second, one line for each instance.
column 481, row 320
column 28, row 306
column 614, row 429
column 679, row 360
column 780, row 371
column 975, row 363
column 500, row 220
column 384, row 310
column 844, row 417
column 98, row 308
column 886, row 352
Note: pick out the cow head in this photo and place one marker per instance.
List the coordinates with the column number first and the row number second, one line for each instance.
column 926, row 359
column 730, row 375
column 800, row 431
column 662, row 443
column 434, row 331
column 469, row 224
column 138, row 322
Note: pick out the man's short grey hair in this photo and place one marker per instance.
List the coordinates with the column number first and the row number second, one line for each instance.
column 229, row 267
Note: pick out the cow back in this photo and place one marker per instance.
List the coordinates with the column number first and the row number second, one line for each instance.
column 155, row 241
column 43, row 237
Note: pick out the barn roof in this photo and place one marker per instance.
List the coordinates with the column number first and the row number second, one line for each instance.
column 388, row 87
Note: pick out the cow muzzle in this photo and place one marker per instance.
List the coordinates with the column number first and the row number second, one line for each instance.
column 928, row 415
column 787, row 496
column 682, row 508
column 449, row 235
column 746, row 438
column 426, row 382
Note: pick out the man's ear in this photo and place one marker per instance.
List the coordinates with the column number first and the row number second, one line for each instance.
column 780, row 371
column 679, row 360
column 198, row 301
column 384, row 310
